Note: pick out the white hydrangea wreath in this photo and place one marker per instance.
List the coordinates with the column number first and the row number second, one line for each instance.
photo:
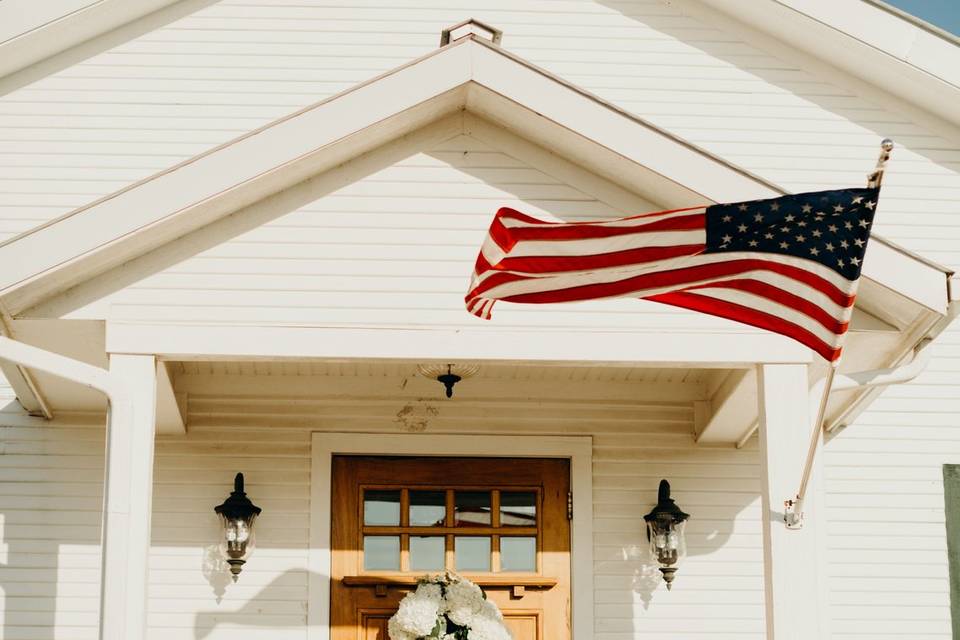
column 447, row 607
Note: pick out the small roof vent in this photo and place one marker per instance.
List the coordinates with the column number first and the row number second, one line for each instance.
column 468, row 28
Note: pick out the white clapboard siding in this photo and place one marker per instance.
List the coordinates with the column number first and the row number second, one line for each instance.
column 51, row 481
column 237, row 64
column 52, row 563
column 164, row 96
column 393, row 248
column 886, row 537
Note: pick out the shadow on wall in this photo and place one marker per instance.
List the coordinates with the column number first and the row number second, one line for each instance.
column 686, row 21
column 252, row 613
column 49, row 550
column 708, row 531
column 713, row 525
column 51, row 496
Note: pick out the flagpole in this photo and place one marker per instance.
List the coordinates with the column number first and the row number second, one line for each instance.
column 793, row 508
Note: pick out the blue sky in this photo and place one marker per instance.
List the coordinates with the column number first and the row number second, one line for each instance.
column 942, row 13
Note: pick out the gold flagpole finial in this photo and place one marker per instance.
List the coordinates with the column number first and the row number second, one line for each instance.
column 875, row 178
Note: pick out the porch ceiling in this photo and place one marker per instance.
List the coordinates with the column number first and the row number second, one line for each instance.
column 392, row 369
column 360, row 395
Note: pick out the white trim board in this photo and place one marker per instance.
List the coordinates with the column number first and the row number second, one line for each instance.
column 284, row 342
column 579, row 450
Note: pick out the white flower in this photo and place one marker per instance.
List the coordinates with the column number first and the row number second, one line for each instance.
column 490, row 611
column 457, row 601
column 464, row 600
column 396, row 632
column 418, row 613
column 484, row 628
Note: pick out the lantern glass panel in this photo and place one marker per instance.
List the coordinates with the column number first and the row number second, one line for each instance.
column 668, row 543
column 238, row 537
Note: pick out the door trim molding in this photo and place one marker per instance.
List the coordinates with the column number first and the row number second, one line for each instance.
column 577, row 449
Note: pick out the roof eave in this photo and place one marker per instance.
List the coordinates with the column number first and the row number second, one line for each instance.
column 867, row 41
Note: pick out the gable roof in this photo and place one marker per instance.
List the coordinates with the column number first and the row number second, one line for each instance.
column 471, row 73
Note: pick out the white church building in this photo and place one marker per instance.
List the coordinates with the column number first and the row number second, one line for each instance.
column 235, row 238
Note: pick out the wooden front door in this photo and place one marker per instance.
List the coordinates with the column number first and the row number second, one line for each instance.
column 501, row 522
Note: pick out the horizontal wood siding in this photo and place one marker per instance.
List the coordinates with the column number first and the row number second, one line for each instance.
column 51, row 492
column 52, row 580
column 886, row 542
column 394, row 248
column 164, row 96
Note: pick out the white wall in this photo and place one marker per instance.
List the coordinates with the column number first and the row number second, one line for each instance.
column 162, row 97
column 52, row 557
column 51, row 479
column 394, row 248
column 142, row 106
column 887, row 542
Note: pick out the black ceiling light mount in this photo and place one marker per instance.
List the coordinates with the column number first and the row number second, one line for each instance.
column 665, row 525
column 448, row 374
column 449, row 379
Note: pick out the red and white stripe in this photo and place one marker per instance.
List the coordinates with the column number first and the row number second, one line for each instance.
column 660, row 257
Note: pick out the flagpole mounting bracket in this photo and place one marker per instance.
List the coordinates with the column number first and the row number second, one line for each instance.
column 793, row 513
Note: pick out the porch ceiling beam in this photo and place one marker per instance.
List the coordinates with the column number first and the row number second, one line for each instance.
column 732, row 408
column 171, row 404
column 22, row 382
column 688, row 349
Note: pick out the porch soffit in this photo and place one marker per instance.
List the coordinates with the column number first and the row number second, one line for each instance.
column 469, row 74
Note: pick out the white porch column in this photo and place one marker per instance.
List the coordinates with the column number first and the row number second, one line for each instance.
column 128, row 495
column 795, row 606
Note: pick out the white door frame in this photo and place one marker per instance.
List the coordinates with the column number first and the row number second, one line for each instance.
column 578, row 449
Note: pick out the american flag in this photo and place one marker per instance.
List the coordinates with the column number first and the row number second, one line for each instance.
column 788, row 264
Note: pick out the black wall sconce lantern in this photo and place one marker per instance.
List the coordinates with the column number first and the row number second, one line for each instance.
column 237, row 515
column 665, row 524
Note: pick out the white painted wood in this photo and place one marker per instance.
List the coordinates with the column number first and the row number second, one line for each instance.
column 171, row 404
column 731, row 408
column 34, row 31
column 170, row 195
column 793, row 584
column 234, row 169
column 268, row 437
column 57, row 365
column 209, row 342
column 127, row 504
column 614, row 129
column 146, row 104
column 577, row 450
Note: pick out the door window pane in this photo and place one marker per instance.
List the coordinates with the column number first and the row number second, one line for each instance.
column 518, row 554
column 426, row 553
column 381, row 553
column 472, row 508
column 428, row 508
column 472, row 553
column 518, row 509
column 381, row 508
